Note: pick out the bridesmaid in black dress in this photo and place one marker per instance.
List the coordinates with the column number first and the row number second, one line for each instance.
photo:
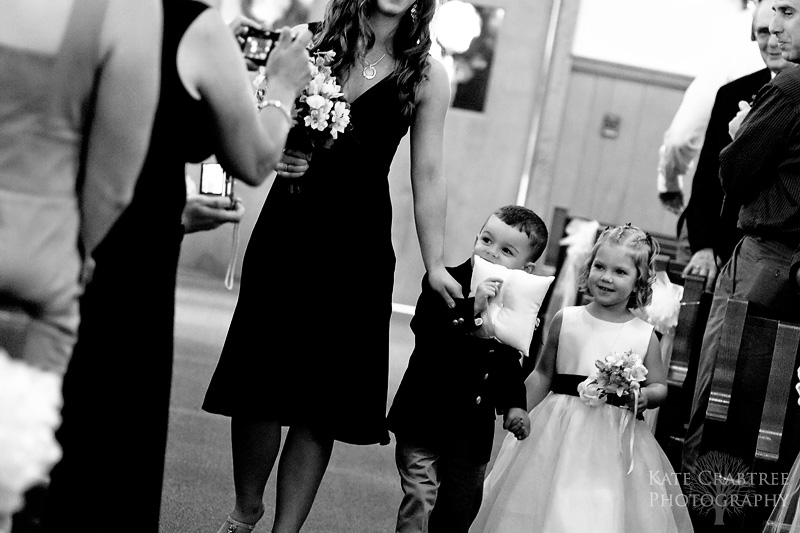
column 117, row 386
column 308, row 346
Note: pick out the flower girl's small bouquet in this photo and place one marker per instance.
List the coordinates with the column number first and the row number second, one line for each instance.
column 616, row 379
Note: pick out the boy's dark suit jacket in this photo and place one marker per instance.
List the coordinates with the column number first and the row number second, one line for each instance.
column 706, row 226
column 455, row 381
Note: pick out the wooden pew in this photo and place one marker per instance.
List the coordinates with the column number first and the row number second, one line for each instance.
column 682, row 369
column 753, row 412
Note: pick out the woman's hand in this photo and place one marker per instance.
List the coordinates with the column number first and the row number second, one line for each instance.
column 203, row 212
column 442, row 282
column 293, row 164
column 288, row 63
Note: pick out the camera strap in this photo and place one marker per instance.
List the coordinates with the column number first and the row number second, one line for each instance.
column 232, row 261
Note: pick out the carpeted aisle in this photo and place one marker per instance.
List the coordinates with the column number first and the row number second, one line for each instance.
column 360, row 491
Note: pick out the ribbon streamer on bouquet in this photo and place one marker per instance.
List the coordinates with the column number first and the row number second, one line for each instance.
column 232, row 261
column 627, row 416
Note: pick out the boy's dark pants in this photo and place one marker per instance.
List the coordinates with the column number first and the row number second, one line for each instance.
column 442, row 492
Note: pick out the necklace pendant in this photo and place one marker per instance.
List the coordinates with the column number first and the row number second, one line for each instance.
column 369, row 72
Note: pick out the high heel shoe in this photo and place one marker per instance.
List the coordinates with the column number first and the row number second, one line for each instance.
column 234, row 526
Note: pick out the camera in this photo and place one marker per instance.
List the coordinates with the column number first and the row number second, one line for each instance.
column 257, row 44
column 215, row 181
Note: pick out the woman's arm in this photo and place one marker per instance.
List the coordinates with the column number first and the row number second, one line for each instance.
column 654, row 389
column 211, row 66
column 126, row 96
column 538, row 383
column 427, row 178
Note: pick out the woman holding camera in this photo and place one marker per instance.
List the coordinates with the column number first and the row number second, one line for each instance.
column 117, row 386
column 328, row 298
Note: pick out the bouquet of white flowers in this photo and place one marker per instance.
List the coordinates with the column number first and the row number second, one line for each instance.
column 321, row 112
column 321, row 107
column 618, row 375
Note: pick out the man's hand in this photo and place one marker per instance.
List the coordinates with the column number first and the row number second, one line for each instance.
column 203, row 212
column 442, row 282
column 517, row 422
column 733, row 125
column 703, row 263
column 672, row 201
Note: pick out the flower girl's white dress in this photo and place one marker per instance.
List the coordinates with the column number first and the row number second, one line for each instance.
column 570, row 474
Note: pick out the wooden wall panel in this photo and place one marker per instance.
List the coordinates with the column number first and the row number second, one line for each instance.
column 614, row 179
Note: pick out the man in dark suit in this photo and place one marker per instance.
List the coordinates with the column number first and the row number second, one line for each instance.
column 711, row 237
column 760, row 176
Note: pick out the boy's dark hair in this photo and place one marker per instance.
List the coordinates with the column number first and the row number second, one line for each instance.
column 527, row 221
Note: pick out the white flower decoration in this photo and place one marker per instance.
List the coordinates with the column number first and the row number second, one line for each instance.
column 30, row 412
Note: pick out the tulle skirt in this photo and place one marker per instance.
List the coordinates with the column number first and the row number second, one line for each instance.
column 571, row 474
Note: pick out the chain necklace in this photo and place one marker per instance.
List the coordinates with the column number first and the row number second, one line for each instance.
column 369, row 71
column 594, row 336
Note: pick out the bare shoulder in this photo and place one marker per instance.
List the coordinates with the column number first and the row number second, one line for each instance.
column 131, row 18
column 147, row 9
column 436, row 83
column 208, row 28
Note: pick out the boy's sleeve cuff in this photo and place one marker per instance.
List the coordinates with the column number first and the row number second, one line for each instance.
column 463, row 315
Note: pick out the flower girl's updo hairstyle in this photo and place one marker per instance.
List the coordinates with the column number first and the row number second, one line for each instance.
column 642, row 248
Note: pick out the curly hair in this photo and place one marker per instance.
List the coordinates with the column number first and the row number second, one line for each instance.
column 643, row 249
column 347, row 31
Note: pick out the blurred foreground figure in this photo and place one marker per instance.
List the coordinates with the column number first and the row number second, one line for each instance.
column 78, row 89
column 117, row 386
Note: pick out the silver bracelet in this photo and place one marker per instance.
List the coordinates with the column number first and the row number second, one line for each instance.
column 277, row 104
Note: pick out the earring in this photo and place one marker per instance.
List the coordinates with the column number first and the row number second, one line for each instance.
column 414, row 14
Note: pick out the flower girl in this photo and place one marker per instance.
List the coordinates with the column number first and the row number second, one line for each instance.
column 590, row 463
